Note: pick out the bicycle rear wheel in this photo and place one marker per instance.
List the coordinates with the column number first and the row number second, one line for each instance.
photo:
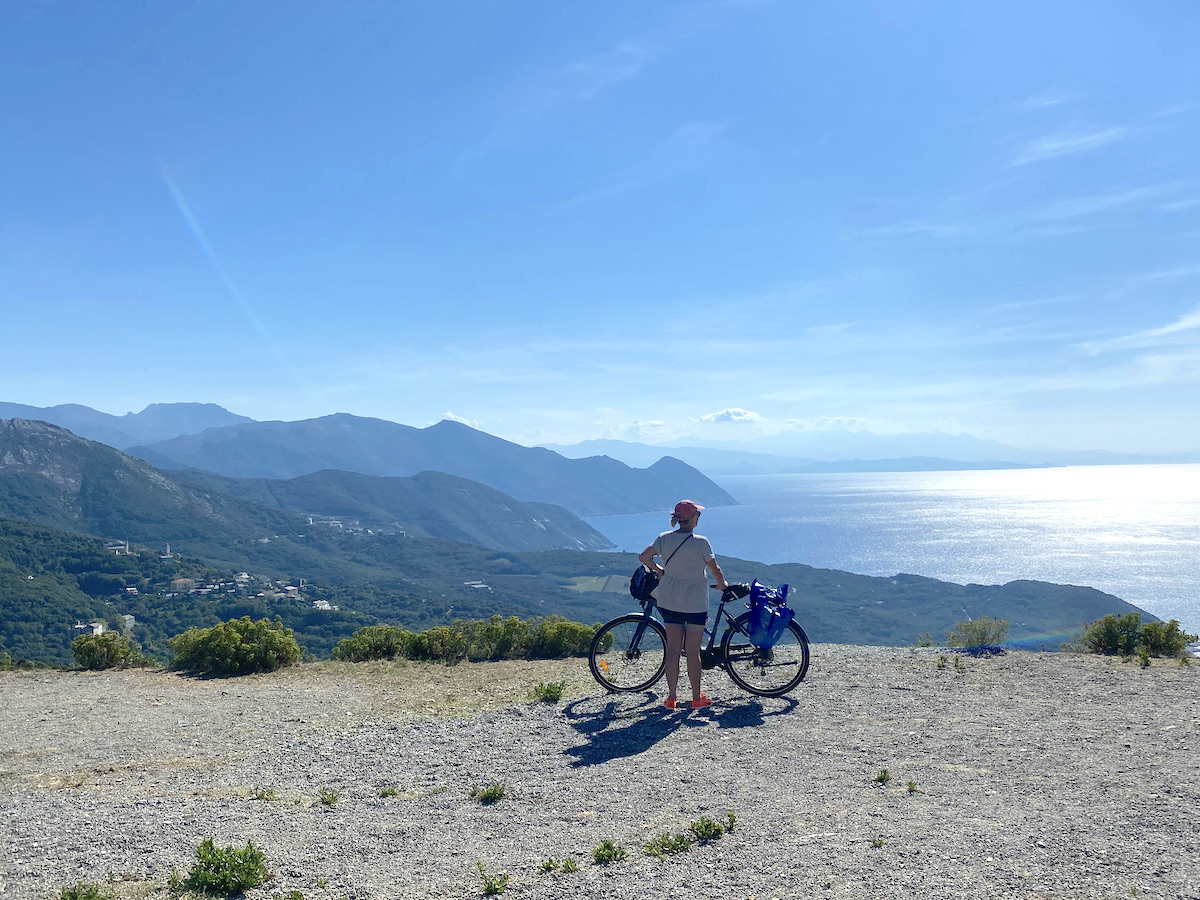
column 768, row 673
column 629, row 653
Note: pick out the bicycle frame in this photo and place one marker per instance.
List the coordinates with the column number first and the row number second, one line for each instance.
column 710, row 655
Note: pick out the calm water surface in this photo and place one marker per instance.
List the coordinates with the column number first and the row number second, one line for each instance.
column 1133, row 531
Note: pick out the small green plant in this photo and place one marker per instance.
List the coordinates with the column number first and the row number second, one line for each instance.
column 225, row 871
column 328, row 796
column 911, row 787
column 488, row 795
column 548, row 865
column 569, row 865
column 548, row 692
column 942, row 661
column 264, row 794
column 883, row 777
column 730, row 820
column 960, row 667
column 925, row 640
column 705, row 829
column 322, row 883
column 388, row 791
column 293, row 895
column 85, row 890
column 667, row 844
column 608, row 852
column 492, row 884
column 1144, row 656
column 877, row 842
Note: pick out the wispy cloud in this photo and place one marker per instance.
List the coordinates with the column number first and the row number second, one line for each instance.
column 1063, row 144
column 1185, row 329
column 1041, row 101
column 1094, row 203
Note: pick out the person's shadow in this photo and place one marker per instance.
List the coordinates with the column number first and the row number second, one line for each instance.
column 620, row 725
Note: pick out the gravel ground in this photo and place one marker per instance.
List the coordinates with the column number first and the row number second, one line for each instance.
column 1035, row 776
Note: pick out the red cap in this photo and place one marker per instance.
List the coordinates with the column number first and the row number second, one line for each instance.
column 685, row 509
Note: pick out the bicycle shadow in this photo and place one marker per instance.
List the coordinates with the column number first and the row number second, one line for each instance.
column 617, row 726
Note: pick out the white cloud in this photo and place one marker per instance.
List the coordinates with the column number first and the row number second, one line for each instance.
column 453, row 418
column 1041, row 101
column 1061, row 144
column 1093, row 203
column 1185, row 329
column 734, row 414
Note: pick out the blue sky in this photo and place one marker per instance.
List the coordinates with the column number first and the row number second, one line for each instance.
column 567, row 221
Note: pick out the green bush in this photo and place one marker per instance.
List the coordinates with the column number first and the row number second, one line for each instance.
column 1126, row 636
column 1167, row 639
column 374, row 642
column 608, row 852
column 493, row 793
column 225, row 871
column 552, row 637
column 548, row 691
column 236, row 647
column 705, row 829
column 974, row 634
column 667, row 843
column 109, row 650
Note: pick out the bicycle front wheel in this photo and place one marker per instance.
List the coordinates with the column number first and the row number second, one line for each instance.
column 629, row 653
column 768, row 673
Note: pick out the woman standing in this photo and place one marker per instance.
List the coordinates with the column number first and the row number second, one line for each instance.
column 682, row 595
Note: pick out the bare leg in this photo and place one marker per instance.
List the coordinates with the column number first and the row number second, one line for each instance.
column 692, row 641
column 675, row 634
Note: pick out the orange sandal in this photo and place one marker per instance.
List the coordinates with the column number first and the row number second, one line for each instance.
column 702, row 702
column 670, row 703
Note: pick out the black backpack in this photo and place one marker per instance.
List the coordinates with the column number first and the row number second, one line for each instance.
column 643, row 581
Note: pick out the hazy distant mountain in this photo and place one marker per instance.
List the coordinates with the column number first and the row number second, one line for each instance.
column 588, row 487
column 856, row 451
column 430, row 503
column 52, row 477
column 157, row 422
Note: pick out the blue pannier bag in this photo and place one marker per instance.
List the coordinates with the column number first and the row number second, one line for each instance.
column 769, row 615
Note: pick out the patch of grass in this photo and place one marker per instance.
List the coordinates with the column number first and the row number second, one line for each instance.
column 489, row 794
column 608, row 852
column 942, row 661
column 389, row 791
column 877, row 842
column 85, row 890
column 264, row 794
column 548, row 691
column 883, row 777
column 730, row 820
column 667, row 844
column 705, row 829
column 569, row 865
column 328, row 796
column 492, row 884
column 224, row 871
column 548, row 865
column 293, row 895
column 911, row 787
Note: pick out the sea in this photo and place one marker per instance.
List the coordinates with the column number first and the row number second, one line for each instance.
column 1131, row 531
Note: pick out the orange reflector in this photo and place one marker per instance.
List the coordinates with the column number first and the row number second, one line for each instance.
column 604, row 665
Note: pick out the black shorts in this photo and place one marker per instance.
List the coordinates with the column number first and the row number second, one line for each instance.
column 681, row 618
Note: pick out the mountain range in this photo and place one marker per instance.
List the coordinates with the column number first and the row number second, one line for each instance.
column 339, row 535
column 591, row 486
column 157, row 422
column 52, row 477
column 855, row 451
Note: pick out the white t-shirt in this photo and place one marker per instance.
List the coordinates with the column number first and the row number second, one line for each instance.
column 684, row 585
